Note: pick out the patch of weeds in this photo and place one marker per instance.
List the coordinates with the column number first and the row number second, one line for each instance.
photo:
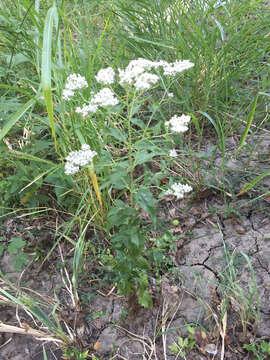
column 95, row 315
column 244, row 301
column 160, row 253
column 15, row 248
column 184, row 345
column 261, row 350
column 74, row 354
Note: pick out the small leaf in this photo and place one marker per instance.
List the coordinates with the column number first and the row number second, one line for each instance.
column 147, row 202
column 143, row 263
column 16, row 244
column 174, row 348
column 117, row 134
column 19, row 261
column 144, row 299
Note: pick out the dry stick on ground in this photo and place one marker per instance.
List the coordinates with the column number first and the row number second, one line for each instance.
column 27, row 330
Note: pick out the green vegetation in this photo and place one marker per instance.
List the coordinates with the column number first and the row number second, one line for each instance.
column 107, row 160
column 261, row 350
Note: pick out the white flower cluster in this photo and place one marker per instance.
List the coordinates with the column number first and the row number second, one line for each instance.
column 145, row 80
column 135, row 73
column 104, row 97
column 86, row 109
column 105, row 76
column 75, row 159
column 74, row 82
column 178, row 124
column 178, row 190
column 177, row 67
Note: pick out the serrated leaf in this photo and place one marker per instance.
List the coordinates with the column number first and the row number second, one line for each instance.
column 147, row 202
column 143, row 263
column 16, row 244
column 19, row 261
column 138, row 122
column 144, row 299
column 116, row 133
column 174, row 348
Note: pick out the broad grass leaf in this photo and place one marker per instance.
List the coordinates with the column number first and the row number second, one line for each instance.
column 253, row 182
column 16, row 117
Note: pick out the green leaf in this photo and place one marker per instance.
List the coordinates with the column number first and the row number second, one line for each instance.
column 117, row 179
column 16, row 244
column 138, row 122
column 144, row 299
column 253, row 182
column 174, row 348
column 143, row 263
column 249, row 122
column 51, row 18
column 19, row 261
column 135, row 238
column 219, row 130
column 147, row 202
column 143, row 156
column 117, row 134
column 16, row 117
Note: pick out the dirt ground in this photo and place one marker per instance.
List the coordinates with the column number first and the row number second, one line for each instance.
column 212, row 272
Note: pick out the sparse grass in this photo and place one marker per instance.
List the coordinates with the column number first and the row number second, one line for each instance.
column 225, row 94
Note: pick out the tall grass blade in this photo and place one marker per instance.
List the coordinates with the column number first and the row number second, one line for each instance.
column 44, row 354
column 46, row 66
column 16, row 117
column 218, row 129
column 252, row 183
column 249, row 122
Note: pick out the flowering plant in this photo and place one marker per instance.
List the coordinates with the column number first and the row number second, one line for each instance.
column 117, row 145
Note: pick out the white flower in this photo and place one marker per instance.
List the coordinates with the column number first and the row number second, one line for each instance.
column 173, row 153
column 105, row 76
column 136, row 73
column 134, row 69
column 70, row 168
column 67, row 94
column 75, row 159
column 86, row 109
column 76, row 81
column 177, row 67
column 145, row 80
column 178, row 124
column 170, row 95
column 178, row 190
column 104, row 97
